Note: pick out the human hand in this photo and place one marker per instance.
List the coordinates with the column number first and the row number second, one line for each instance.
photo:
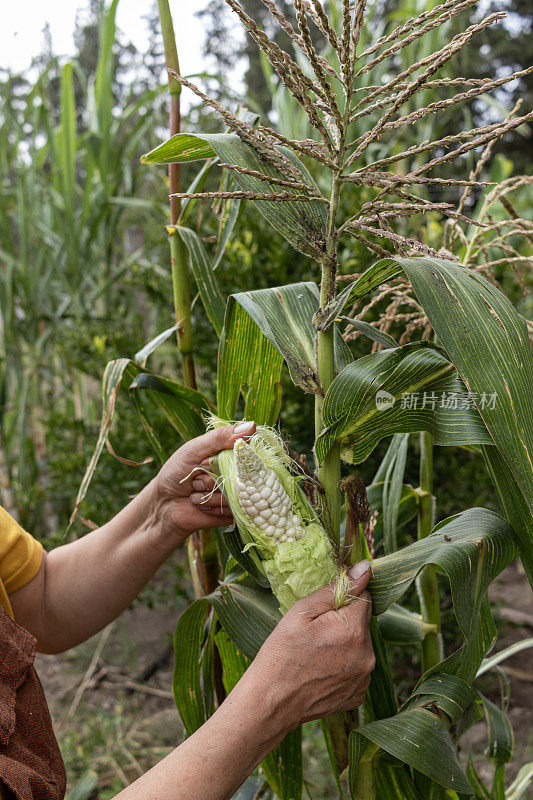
column 318, row 661
column 186, row 497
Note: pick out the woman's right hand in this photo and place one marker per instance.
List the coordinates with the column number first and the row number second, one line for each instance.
column 318, row 661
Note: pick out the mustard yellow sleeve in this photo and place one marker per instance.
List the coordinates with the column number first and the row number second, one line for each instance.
column 20, row 554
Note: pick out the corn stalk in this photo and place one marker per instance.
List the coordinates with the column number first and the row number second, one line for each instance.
column 202, row 546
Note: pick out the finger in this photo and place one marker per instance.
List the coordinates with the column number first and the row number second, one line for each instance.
column 205, row 483
column 359, row 576
column 214, row 520
column 323, row 600
column 203, row 500
column 212, row 442
column 316, row 604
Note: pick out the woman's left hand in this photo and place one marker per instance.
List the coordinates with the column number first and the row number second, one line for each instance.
column 186, row 496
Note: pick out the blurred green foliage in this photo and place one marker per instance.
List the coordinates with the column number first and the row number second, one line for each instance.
column 74, row 296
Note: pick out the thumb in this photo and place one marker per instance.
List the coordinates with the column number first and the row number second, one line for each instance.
column 212, row 442
column 323, row 600
column 359, row 576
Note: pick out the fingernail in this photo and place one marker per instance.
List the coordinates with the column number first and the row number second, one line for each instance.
column 198, row 485
column 197, row 499
column 359, row 569
column 243, row 427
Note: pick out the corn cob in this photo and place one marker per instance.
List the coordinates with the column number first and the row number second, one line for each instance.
column 276, row 519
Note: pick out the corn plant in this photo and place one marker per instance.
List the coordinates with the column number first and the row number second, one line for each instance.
column 460, row 375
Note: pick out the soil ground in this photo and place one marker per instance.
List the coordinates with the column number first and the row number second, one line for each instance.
column 115, row 727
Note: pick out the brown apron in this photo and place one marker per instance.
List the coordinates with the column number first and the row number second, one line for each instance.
column 31, row 766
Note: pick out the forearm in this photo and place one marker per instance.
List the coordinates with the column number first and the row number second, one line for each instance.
column 89, row 582
column 216, row 760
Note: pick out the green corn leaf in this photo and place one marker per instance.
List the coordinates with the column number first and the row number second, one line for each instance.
column 182, row 406
column 401, row 626
column 234, row 664
column 247, row 613
column 381, row 698
column 251, row 788
column 206, row 281
column 392, row 492
column 394, row 782
column 114, row 372
column 410, row 388
column 420, row 739
column 487, row 340
column 371, row 333
column 390, row 455
column 374, row 276
column 521, row 783
column 481, row 791
column 137, row 399
column 67, row 140
column 84, row 788
column 302, row 223
column 472, row 548
column 451, row 694
column 501, row 736
column 247, row 559
column 358, row 746
column 187, row 204
column 285, row 316
column 497, row 658
column 228, row 218
column 513, row 505
column 189, row 642
column 247, row 363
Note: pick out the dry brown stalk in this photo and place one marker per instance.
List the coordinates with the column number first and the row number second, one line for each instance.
column 437, row 60
column 370, row 178
column 267, row 178
column 433, row 108
column 434, row 23
column 409, row 209
column 250, row 135
column 400, row 241
column 294, row 35
column 458, row 41
column 497, row 131
column 312, row 55
column 239, row 195
column 309, row 147
column 320, row 19
column 289, row 72
column 408, row 26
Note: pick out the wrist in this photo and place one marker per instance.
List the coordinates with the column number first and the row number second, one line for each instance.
column 272, row 699
column 160, row 524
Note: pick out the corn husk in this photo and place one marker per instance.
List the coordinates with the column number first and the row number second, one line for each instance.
column 296, row 568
